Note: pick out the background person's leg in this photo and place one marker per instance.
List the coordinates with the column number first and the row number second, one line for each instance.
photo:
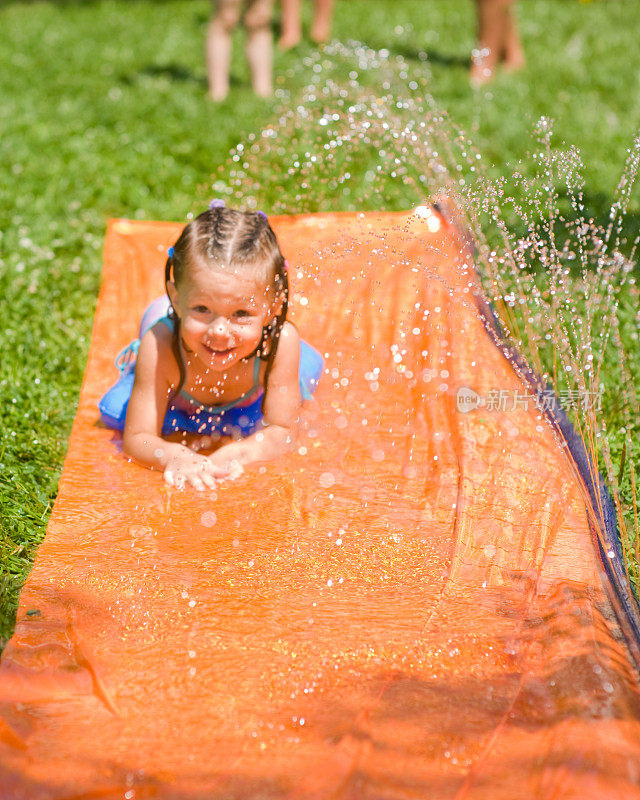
column 226, row 14
column 291, row 31
column 257, row 21
column 321, row 25
column 492, row 27
column 513, row 55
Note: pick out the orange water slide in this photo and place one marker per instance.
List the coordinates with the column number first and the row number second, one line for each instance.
column 418, row 604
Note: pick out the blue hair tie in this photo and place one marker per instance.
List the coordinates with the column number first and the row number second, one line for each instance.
column 263, row 215
column 170, row 252
column 217, row 202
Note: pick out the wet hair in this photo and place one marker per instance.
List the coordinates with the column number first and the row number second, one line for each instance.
column 224, row 237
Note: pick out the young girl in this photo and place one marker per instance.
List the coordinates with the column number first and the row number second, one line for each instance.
column 257, row 21
column 223, row 362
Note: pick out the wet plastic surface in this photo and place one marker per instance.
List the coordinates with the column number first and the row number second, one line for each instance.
column 410, row 606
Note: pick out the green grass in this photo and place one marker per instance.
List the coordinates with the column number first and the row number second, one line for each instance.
column 104, row 113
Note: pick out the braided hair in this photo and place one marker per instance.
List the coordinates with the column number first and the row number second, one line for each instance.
column 224, row 236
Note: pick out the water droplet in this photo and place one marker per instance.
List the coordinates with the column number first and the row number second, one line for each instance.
column 209, row 519
column 326, row 480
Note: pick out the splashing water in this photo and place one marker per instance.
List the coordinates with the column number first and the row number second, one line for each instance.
column 568, row 296
column 562, row 286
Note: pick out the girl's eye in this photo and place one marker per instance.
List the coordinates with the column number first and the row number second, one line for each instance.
column 242, row 314
column 200, row 309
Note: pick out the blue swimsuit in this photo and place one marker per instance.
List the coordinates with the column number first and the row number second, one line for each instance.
column 238, row 418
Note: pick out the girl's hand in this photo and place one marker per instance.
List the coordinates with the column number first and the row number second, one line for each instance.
column 190, row 468
column 230, row 467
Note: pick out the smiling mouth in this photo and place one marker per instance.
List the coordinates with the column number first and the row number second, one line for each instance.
column 216, row 352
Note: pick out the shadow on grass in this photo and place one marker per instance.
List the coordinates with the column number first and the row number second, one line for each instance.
column 427, row 56
column 177, row 73
column 421, row 54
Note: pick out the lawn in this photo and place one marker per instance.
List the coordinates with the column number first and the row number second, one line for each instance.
column 104, row 113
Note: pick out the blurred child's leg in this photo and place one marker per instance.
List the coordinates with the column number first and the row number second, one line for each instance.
column 291, row 32
column 257, row 21
column 226, row 14
column 513, row 56
column 321, row 25
column 492, row 26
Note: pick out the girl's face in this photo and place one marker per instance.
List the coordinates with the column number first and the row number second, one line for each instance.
column 222, row 314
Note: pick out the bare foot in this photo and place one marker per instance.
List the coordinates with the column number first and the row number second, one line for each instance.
column 483, row 64
column 320, row 32
column 321, row 25
column 288, row 40
column 263, row 91
column 512, row 52
column 514, row 60
column 217, row 95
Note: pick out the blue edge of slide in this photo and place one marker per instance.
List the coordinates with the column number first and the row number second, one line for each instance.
column 624, row 603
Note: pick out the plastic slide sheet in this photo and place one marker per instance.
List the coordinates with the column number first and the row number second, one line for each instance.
column 417, row 603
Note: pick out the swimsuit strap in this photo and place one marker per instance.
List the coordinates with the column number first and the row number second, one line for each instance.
column 126, row 357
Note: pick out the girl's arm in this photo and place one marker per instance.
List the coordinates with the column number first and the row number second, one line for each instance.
column 142, row 438
column 281, row 409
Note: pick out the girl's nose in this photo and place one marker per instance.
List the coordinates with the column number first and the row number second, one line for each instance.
column 220, row 326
